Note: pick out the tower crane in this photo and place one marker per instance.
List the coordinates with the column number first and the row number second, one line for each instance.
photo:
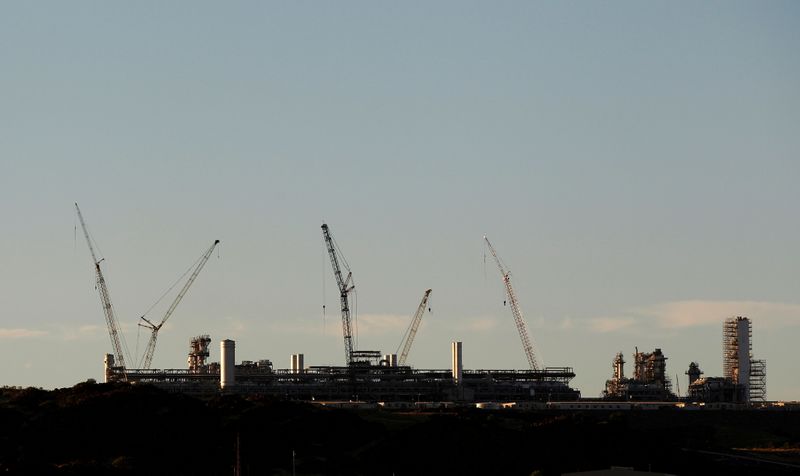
column 411, row 332
column 154, row 328
column 346, row 286
column 518, row 319
column 105, row 297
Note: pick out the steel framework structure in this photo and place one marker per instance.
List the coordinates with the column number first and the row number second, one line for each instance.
column 519, row 320
column 346, row 286
column 105, row 298
column 411, row 332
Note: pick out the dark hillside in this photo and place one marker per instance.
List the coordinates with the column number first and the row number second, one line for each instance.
column 125, row 430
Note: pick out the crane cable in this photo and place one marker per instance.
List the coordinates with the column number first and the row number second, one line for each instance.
column 172, row 287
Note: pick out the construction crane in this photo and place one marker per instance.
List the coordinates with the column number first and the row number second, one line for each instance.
column 411, row 332
column 518, row 319
column 154, row 328
column 346, row 286
column 105, row 297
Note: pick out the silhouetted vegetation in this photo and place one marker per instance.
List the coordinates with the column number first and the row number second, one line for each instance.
column 119, row 429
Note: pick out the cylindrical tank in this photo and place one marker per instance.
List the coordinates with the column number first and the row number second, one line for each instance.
column 108, row 364
column 389, row 360
column 227, row 372
column 456, row 363
column 297, row 363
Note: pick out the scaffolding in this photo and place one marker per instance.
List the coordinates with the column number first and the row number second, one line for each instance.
column 758, row 381
column 736, row 349
column 738, row 364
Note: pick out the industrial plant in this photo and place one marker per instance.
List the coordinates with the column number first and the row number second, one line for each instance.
column 744, row 379
column 374, row 376
column 649, row 381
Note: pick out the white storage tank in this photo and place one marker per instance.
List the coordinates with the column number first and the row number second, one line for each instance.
column 456, row 363
column 227, row 372
column 297, row 364
column 389, row 360
column 108, row 364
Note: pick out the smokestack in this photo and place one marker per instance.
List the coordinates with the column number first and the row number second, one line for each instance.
column 390, row 360
column 297, row 363
column 456, row 364
column 108, row 364
column 227, row 372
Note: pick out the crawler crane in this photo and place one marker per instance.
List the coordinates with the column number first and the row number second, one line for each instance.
column 518, row 319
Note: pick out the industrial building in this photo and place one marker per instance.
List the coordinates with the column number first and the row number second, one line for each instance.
column 649, row 382
column 369, row 375
column 381, row 381
column 744, row 379
column 738, row 364
column 366, row 375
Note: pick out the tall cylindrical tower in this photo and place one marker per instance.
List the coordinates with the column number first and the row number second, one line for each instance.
column 297, row 364
column 227, row 372
column 456, row 363
column 736, row 351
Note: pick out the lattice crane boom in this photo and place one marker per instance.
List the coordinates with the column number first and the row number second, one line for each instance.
column 408, row 338
column 105, row 297
column 346, row 286
column 519, row 320
column 154, row 328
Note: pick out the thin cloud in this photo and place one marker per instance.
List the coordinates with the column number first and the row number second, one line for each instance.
column 381, row 324
column 20, row 333
column 683, row 314
column 609, row 324
column 566, row 324
column 82, row 332
column 479, row 324
column 235, row 325
column 691, row 313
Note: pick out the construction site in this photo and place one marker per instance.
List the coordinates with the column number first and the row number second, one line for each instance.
column 367, row 375
column 371, row 376
column 744, row 380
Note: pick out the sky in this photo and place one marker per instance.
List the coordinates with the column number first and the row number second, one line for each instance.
column 635, row 164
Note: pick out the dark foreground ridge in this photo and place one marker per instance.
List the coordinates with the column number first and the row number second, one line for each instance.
column 122, row 429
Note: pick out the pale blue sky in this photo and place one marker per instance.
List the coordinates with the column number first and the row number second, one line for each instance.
column 635, row 164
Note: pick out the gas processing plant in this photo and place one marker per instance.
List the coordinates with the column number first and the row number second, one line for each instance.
column 373, row 376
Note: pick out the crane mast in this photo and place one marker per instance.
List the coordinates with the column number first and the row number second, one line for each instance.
column 154, row 328
column 105, row 297
column 412, row 330
column 346, row 286
column 515, row 309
